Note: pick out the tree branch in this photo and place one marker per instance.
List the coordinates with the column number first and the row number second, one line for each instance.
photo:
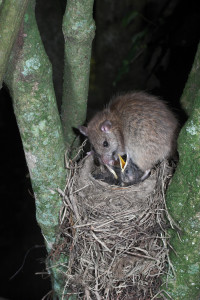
column 192, row 86
column 78, row 29
column 29, row 78
column 11, row 15
column 183, row 197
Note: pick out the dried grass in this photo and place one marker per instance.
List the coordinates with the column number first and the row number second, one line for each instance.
column 115, row 236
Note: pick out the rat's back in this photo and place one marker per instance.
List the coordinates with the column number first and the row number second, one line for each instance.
column 149, row 128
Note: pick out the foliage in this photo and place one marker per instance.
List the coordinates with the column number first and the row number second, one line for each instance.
column 137, row 45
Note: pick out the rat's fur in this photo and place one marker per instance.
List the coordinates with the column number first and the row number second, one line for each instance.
column 136, row 124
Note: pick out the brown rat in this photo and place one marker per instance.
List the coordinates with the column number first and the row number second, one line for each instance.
column 137, row 124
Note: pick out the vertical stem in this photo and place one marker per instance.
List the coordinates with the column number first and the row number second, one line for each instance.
column 11, row 15
column 192, row 86
column 78, row 29
column 29, row 79
column 183, row 197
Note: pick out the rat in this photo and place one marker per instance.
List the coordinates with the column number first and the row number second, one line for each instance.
column 135, row 124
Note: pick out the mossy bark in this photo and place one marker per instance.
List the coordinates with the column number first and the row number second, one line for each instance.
column 192, row 86
column 11, row 15
column 29, row 79
column 78, row 29
column 183, row 197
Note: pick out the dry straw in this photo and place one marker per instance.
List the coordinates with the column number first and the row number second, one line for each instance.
column 115, row 236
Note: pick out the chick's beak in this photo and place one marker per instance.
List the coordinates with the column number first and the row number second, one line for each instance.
column 122, row 163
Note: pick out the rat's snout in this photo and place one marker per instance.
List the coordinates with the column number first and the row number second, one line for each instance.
column 107, row 160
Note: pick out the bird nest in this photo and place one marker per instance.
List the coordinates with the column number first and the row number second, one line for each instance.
column 115, row 236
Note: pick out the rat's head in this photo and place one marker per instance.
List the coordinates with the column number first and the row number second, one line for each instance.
column 104, row 137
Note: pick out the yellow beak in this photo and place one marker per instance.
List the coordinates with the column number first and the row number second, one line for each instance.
column 122, row 163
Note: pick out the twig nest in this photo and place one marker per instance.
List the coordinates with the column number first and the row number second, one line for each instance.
column 116, row 239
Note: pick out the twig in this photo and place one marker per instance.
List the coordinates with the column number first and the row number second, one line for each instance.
column 100, row 242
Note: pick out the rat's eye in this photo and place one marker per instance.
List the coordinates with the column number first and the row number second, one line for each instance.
column 105, row 144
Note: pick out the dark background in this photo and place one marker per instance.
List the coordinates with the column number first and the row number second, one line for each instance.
column 148, row 45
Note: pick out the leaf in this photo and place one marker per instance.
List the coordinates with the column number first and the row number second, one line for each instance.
column 129, row 18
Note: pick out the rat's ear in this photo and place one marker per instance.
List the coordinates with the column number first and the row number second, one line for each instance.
column 106, row 126
column 83, row 130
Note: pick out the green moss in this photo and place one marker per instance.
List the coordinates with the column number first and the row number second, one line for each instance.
column 26, row 17
column 30, row 83
column 11, row 15
column 78, row 29
column 31, row 65
column 183, row 201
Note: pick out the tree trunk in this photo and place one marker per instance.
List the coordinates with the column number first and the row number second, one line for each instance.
column 78, row 29
column 29, row 79
column 11, row 14
column 183, row 197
